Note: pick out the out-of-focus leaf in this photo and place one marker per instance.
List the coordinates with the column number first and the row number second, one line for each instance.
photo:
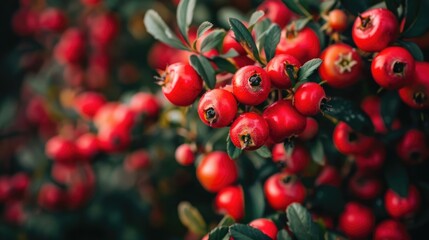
column 191, row 218
column 271, row 42
column 231, row 149
column 246, row 232
column 416, row 18
column 254, row 201
column 296, row 7
column 396, row 176
column 390, row 103
column 218, row 233
column 317, row 152
column 263, row 152
column 255, row 17
column 185, row 13
column 204, row 27
column 283, row 235
column 203, row 67
column 329, row 199
column 8, row 108
column 301, row 224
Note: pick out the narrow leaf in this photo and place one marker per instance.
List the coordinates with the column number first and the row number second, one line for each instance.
column 308, row 69
column 224, row 65
column 218, row 233
column 8, row 109
column 283, row 235
column 255, row 17
column 230, row 54
column 244, row 37
column 255, row 203
column 204, row 27
column 390, row 103
column 414, row 49
column 396, row 177
column 191, row 218
column 263, row 152
column 301, row 223
column 203, row 67
column 231, row 149
column 160, row 31
column 271, row 42
column 226, row 221
column 212, row 40
column 246, row 232
column 296, row 7
column 392, row 6
column 185, row 13
column 317, row 152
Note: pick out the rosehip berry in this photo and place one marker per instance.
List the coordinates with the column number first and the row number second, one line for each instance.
column 146, row 104
column 14, row 212
column 283, row 189
column 393, row 68
column 216, row 171
column 392, row 230
column 104, row 29
column 371, row 160
column 181, row 84
column 184, row 155
column 292, row 42
column 348, row 141
column 266, row 226
column 402, row 207
column 25, row 22
column 374, row 29
column 114, row 138
column 66, row 173
column 137, row 160
column 87, row 104
column 296, row 161
column 276, row 11
column 251, row 85
column 5, row 188
column 87, row 146
column 277, row 69
column 20, row 183
column 249, row 131
column 53, row 19
column 329, row 176
column 61, row 149
column 308, row 97
column 77, row 195
column 371, row 105
column 283, row 120
column 310, row 130
column 357, row 221
column 230, row 201
column 217, row 108
column 114, row 114
column 341, row 66
column 413, row 147
column 365, row 187
column 337, row 20
column 51, row 197
column 71, row 47
column 416, row 93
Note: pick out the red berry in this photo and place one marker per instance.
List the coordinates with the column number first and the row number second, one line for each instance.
column 182, row 84
column 277, row 70
column 90, row 2
column 393, row 68
column 87, row 104
column 357, row 221
column 14, row 212
column 77, row 195
column 308, row 97
column 61, row 149
column 114, row 138
column 265, row 225
column 104, row 29
column 114, row 114
column 329, row 176
column 20, row 183
column 402, row 207
column 53, row 19
column 87, row 146
column 365, row 187
column 25, row 22
column 146, row 104
column 216, row 171
column 293, row 42
column 5, row 189
column 283, row 189
column 230, row 201
column 371, row 105
column 251, row 85
column 229, row 43
column 276, row 11
column 348, row 141
column 337, row 20
column 184, row 155
column 310, row 130
column 413, row 147
column 51, row 197
column 137, row 160
column 66, row 173
column 283, row 120
column 249, row 131
column 374, row 29
column 217, row 108
column 371, row 160
column 341, row 66
column 71, row 47
column 392, row 230
column 416, row 93
column 296, row 161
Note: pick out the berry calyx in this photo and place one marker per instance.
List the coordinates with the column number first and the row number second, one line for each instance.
column 249, row 131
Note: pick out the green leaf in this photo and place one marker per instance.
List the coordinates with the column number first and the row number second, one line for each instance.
column 271, row 42
column 255, row 17
column 8, row 109
column 317, row 28
column 204, row 27
column 301, row 224
column 231, row 149
column 334, row 236
column 416, row 18
column 301, row 23
column 246, row 232
column 393, row 6
column 254, row 201
column 317, row 152
column 283, row 235
column 212, row 40
column 218, row 233
column 356, row 7
column 390, row 103
column 396, row 176
column 329, row 199
column 224, row 65
column 160, row 31
column 185, row 13
column 191, row 218
column 296, row 7
column 414, row 49
column 230, row 54
column 308, row 69
column 263, row 152
column 203, row 67
column 347, row 111
column 226, row 221
column 244, row 37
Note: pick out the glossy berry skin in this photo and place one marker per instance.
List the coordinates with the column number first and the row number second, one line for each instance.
column 276, row 11
column 365, row 187
column 182, row 84
column 137, row 160
column 251, row 85
column 249, row 131
column 311, row 129
column 87, row 104
column 184, row 155
column 308, row 97
column 51, row 197
column 392, row 230
column 216, row 171
column 53, row 19
column 416, row 93
column 412, row 148
column 374, row 29
column 71, row 47
column 296, row 161
column 265, row 225
column 114, row 138
column 393, row 68
column 337, row 20
column 402, row 207
column 329, row 176
column 104, row 29
column 114, row 114
column 357, row 221
column 230, row 200
column 293, row 43
column 372, row 160
column 276, row 69
column 282, row 189
column 347, row 141
column 146, row 104
column 61, row 149
column 217, row 108
column 283, row 120
column 341, row 66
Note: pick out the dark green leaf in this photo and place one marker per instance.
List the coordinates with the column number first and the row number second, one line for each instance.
column 396, row 176
column 390, row 103
column 231, row 149
column 212, row 40
column 255, row 17
column 185, row 13
column 218, row 233
column 301, row 224
column 204, row 27
column 226, row 221
column 296, row 7
column 254, row 201
column 160, row 31
column 416, row 18
column 290, row 70
column 333, row 236
column 301, row 23
column 347, row 111
column 224, row 65
column 203, row 67
column 329, row 199
column 246, row 232
column 263, row 152
column 356, row 7
column 191, row 218
column 271, row 42
column 317, row 28
column 327, row 5
column 413, row 49
column 8, row 109
column 283, row 235
column 261, row 29
column 317, row 152
column 244, row 37
column 230, row 54
column 308, row 69
column 392, row 5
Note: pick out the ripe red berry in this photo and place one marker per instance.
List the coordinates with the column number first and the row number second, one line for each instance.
column 357, row 221
column 19, row 184
column 91, row 2
column 137, row 160
column 51, row 197
column 276, row 11
column 104, row 29
column 296, row 161
column 87, row 146
column 5, row 189
column 184, row 155
column 25, row 22
column 53, row 19
column 283, row 189
column 364, row 186
column 216, row 171
column 249, row 131
column 266, row 226
column 337, row 20
column 61, row 149
column 413, row 147
column 114, row 138
column 402, row 207
column 230, row 201
column 71, row 47
column 308, row 97
column 87, row 104
column 181, row 84
column 329, row 176
column 146, row 104
column 217, row 108
column 348, row 141
column 277, row 70
column 77, row 195
column 393, row 68
column 341, row 66
column 114, row 114
column 374, row 29
column 251, row 85
column 392, row 230
column 371, row 160
column 283, row 120
column 416, row 93
column 14, row 213
column 292, row 42
column 310, row 130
